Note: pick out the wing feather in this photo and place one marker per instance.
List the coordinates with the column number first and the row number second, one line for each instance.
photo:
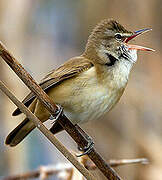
column 69, row 69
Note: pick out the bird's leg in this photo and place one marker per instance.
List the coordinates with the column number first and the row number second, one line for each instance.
column 87, row 149
column 58, row 113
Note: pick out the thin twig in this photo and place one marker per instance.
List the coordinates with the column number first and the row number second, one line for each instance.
column 120, row 162
column 50, row 105
column 49, row 170
column 55, row 169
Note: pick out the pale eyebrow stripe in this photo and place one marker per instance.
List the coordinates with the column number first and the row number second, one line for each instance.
column 111, row 33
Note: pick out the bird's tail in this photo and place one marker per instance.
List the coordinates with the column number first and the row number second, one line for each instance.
column 20, row 132
column 26, row 126
column 56, row 128
column 23, row 129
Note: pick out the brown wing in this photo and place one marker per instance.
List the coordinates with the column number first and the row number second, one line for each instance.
column 69, row 69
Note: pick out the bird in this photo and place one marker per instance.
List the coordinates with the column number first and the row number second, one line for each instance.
column 89, row 85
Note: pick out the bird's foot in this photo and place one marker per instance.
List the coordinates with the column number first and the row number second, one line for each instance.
column 58, row 113
column 87, row 149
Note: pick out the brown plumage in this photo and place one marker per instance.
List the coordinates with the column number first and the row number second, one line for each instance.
column 86, row 86
column 70, row 69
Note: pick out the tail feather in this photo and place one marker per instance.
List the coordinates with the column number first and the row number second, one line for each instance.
column 20, row 132
column 56, row 128
column 26, row 126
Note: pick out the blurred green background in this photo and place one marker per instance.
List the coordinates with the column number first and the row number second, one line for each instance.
column 44, row 34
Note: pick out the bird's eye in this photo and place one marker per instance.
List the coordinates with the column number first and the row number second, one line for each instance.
column 118, row 36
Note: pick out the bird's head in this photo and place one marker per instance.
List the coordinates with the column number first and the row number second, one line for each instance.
column 108, row 43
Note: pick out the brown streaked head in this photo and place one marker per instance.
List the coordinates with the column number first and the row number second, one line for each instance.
column 109, row 40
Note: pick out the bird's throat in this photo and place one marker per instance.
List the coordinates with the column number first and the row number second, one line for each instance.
column 112, row 60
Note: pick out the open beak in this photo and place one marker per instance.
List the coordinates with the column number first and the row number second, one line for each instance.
column 135, row 34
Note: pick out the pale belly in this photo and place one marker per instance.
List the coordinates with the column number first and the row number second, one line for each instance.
column 85, row 99
column 92, row 106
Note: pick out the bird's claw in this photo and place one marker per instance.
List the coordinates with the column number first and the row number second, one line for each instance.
column 57, row 113
column 87, row 149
